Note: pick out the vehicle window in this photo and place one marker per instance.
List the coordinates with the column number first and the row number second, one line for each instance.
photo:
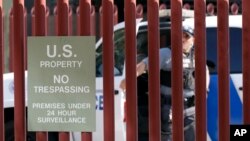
column 118, row 55
column 235, row 50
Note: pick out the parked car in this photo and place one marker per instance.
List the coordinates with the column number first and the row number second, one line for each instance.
column 235, row 28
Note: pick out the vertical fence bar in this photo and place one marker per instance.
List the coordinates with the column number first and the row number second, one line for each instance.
column 154, row 71
column 84, row 14
column 62, row 26
column 1, row 74
column 131, row 90
column 85, row 9
column 139, row 11
column 33, row 20
column 176, row 76
column 19, row 76
column 55, row 20
column 69, row 24
column 47, row 20
column 163, row 6
column 32, row 12
column 78, row 20
column 70, row 20
column 246, row 58
column 114, row 20
column 100, row 19
column 25, row 39
column 62, row 17
column 92, row 21
column 115, row 14
column 108, row 69
column 11, row 40
column 223, row 69
column 40, row 29
column 200, row 70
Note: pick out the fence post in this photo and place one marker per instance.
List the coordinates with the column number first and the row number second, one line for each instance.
column 70, row 24
column 85, row 30
column 92, row 21
column 210, row 9
column 223, row 69
column 62, row 19
column 176, row 75
column 154, row 69
column 114, row 20
column 139, row 11
column 131, row 90
column 234, row 8
column 115, row 14
column 33, row 21
column 39, row 27
column 19, row 76
column 25, row 39
column 84, row 15
column 163, row 6
column 246, row 67
column 108, row 69
column 200, row 70
column 11, row 40
column 1, row 74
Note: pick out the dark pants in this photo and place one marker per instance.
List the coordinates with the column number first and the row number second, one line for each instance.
column 189, row 121
column 189, row 131
column 189, row 134
column 166, row 125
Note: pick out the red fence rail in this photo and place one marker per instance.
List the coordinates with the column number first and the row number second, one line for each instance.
column 246, row 67
column 63, row 29
column 176, row 76
column 154, row 75
column 200, row 70
column 131, row 98
column 1, row 72
column 19, row 67
column 115, row 17
column 85, row 21
column 34, row 20
column 40, row 28
column 223, row 70
column 11, row 40
column 108, row 71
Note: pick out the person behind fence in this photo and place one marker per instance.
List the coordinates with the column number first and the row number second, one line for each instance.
column 165, row 88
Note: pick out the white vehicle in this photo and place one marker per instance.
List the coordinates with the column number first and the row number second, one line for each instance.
column 235, row 24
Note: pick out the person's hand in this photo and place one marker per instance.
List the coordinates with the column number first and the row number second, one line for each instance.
column 123, row 85
column 140, row 68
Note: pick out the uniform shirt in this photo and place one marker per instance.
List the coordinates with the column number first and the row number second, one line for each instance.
column 166, row 65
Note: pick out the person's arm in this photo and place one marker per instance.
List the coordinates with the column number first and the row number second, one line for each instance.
column 164, row 59
column 142, row 67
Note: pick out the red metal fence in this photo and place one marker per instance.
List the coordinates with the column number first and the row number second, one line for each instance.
column 1, row 76
column 86, row 26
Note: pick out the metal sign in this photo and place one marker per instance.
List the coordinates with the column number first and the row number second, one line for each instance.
column 61, row 83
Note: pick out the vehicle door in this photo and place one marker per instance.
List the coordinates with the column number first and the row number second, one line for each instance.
column 142, row 52
column 118, row 75
column 235, row 79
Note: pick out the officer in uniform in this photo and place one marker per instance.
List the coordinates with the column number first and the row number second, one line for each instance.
column 188, row 86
